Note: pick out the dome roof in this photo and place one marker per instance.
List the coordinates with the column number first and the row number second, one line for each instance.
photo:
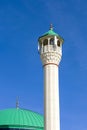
column 20, row 118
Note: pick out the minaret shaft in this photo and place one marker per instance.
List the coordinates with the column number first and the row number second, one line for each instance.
column 51, row 98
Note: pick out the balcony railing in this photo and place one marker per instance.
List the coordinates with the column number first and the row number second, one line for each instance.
column 50, row 48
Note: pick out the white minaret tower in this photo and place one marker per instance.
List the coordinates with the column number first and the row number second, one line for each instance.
column 50, row 50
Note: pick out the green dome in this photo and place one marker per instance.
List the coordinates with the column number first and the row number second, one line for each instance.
column 20, row 118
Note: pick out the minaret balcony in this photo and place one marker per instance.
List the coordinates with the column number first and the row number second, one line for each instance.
column 51, row 48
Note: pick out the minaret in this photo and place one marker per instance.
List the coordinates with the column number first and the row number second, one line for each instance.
column 50, row 50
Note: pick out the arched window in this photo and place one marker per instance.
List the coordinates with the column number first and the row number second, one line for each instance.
column 58, row 43
column 51, row 41
column 45, row 42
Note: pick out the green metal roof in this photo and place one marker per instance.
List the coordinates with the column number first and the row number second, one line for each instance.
column 20, row 118
column 51, row 33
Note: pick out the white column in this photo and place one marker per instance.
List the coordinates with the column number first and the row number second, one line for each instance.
column 51, row 98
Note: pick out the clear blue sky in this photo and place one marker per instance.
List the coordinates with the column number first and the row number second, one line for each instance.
column 21, row 72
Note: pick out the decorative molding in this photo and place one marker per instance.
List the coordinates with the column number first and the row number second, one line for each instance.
column 51, row 58
column 50, row 64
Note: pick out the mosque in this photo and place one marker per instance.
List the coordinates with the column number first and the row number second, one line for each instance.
column 50, row 50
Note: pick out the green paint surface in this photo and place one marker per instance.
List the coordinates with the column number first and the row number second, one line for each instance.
column 20, row 118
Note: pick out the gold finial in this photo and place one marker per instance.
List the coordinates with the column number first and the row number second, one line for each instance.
column 17, row 102
column 51, row 26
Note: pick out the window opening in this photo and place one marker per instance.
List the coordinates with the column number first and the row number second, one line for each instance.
column 51, row 41
column 58, row 43
column 45, row 42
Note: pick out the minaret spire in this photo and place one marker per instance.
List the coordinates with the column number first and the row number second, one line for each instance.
column 17, row 102
column 51, row 26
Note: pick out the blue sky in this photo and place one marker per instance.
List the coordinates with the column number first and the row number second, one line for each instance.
column 21, row 72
